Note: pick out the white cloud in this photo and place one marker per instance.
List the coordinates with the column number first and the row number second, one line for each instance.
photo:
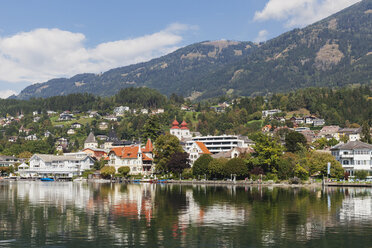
column 301, row 12
column 7, row 93
column 262, row 36
column 42, row 54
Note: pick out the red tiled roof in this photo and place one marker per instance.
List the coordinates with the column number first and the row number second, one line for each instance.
column 203, row 147
column 149, row 147
column 126, row 151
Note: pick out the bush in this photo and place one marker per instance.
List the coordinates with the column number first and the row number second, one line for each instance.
column 294, row 180
column 200, row 166
column 300, row 172
column 187, row 173
column 361, row 174
column 124, row 171
column 108, row 171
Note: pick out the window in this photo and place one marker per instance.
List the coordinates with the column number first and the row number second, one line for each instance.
column 345, row 162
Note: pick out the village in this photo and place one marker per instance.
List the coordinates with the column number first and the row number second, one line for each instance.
column 344, row 144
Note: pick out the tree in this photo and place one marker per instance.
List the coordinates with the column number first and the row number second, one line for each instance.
column 25, row 154
column 108, row 171
column 286, row 166
column 236, row 166
column 178, row 162
column 124, row 170
column 361, row 174
column 151, row 129
column 366, row 135
column 165, row 146
column 267, row 153
column 200, row 166
column 301, row 172
column 216, row 167
column 293, row 140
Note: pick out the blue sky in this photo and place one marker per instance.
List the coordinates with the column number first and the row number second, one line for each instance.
column 43, row 39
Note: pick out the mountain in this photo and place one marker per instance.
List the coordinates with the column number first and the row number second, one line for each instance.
column 335, row 51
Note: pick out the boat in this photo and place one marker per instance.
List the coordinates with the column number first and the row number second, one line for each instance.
column 46, row 179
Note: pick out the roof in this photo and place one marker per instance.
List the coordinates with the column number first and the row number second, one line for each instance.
column 112, row 137
column 90, row 138
column 352, row 145
column 50, row 158
column 126, row 151
column 350, row 130
column 146, row 158
column 149, row 147
column 203, row 147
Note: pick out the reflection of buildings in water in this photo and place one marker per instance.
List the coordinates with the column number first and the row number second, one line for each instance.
column 213, row 215
column 357, row 206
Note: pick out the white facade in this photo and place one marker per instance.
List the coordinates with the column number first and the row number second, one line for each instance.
column 44, row 165
column 195, row 150
column 181, row 133
column 270, row 112
column 223, row 143
column 354, row 155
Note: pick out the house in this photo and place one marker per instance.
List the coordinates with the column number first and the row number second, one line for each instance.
column 158, row 111
column 266, row 128
column 71, row 131
column 329, row 132
column 233, row 153
column 297, row 120
column 13, row 139
column 111, row 118
column 65, row 116
column 309, row 120
column 34, row 113
column 309, row 135
column 353, row 156
column 120, row 111
column 318, row 122
column 131, row 156
column 96, row 153
column 267, row 113
column 6, row 161
column 24, row 130
column 37, row 119
column 112, row 140
column 93, row 114
column 61, row 144
column 64, row 166
column 195, row 150
column 91, row 141
column 31, row 137
column 180, row 131
column 103, row 125
column 144, row 111
column 50, row 112
column 353, row 134
column 102, row 137
column 76, row 125
column 47, row 134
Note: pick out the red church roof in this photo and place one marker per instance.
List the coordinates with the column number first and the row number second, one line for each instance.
column 149, row 147
column 184, row 125
column 175, row 125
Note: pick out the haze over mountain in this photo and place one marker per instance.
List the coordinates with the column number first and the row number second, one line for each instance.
column 333, row 52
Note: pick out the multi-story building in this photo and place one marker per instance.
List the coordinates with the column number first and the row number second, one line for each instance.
column 267, row 113
column 354, row 155
column 195, row 150
column 182, row 132
column 133, row 157
column 66, row 166
column 222, row 143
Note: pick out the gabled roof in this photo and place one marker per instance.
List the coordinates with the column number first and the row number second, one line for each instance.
column 126, row 151
column 91, row 138
column 203, row 147
column 352, row 145
column 145, row 158
column 149, row 147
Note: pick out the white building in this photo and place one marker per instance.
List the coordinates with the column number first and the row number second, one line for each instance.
column 119, row 111
column 318, row 122
column 195, row 150
column 270, row 112
column 91, row 141
column 222, row 143
column 181, row 132
column 354, row 155
column 66, row 166
column 133, row 157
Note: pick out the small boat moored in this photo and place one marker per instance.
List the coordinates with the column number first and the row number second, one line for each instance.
column 46, row 179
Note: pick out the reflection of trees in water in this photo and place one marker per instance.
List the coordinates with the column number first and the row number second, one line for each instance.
column 175, row 215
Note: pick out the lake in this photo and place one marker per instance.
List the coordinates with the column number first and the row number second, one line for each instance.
column 78, row 214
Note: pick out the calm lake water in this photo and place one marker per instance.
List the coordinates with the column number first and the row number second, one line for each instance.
column 66, row 214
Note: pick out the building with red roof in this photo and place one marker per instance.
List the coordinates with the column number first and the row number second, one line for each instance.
column 180, row 131
column 196, row 150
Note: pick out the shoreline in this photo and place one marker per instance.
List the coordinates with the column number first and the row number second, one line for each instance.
column 209, row 183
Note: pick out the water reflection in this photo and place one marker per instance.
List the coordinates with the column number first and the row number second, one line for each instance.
column 104, row 215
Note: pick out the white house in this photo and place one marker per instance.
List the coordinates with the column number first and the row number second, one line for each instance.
column 76, row 125
column 31, row 137
column 66, row 166
column 119, row 111
column 318, row 122
column 71, row 131
column 91, row 141
column 354, row 155
column 270, row 112
column 133, row 157
column 195, row 150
